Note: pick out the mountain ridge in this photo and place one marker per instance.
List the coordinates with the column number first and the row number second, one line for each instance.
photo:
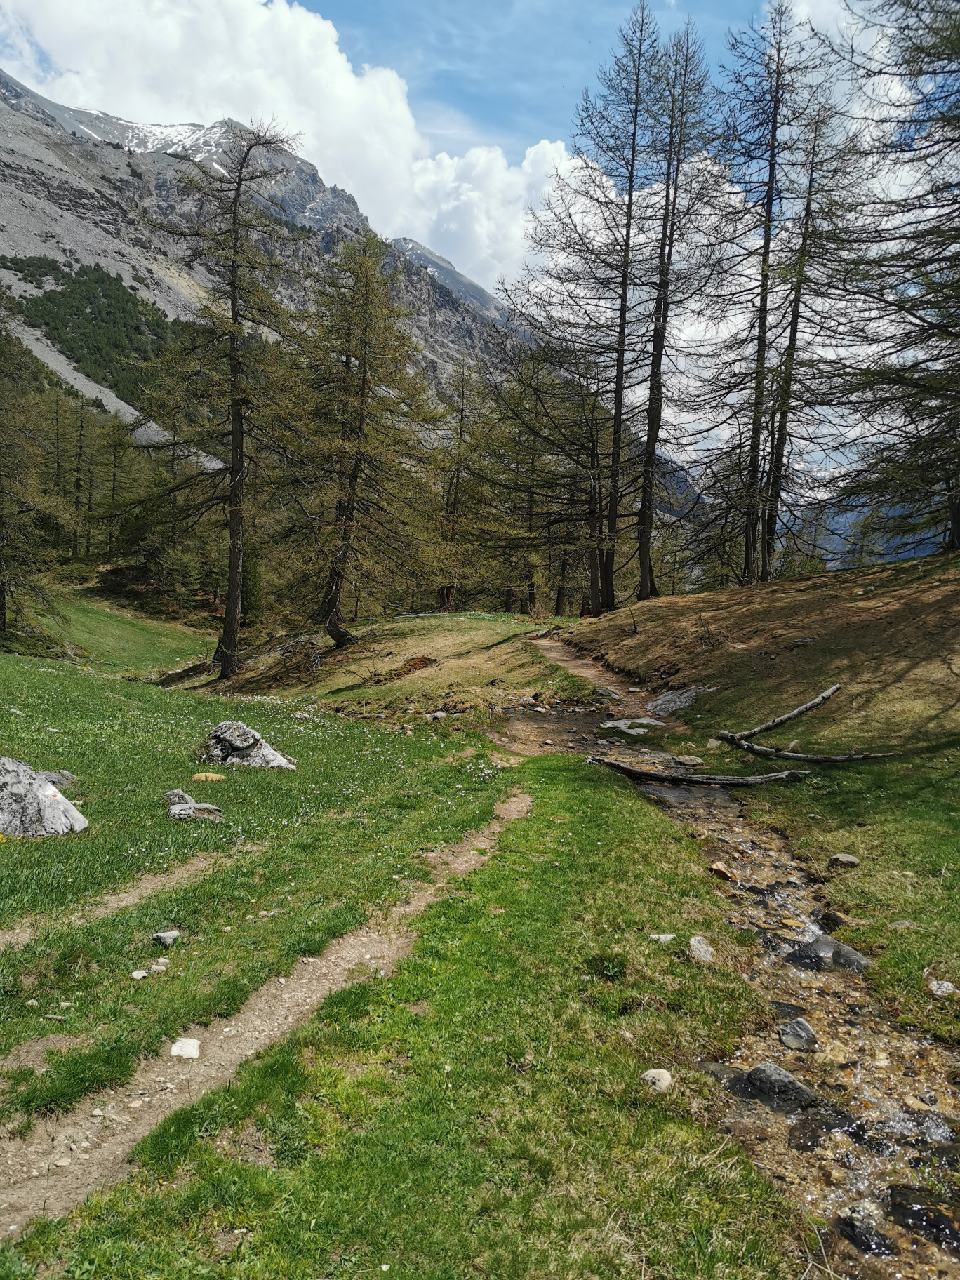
column 89, row 188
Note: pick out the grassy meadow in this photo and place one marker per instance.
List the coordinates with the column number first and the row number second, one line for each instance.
column 481, row 1111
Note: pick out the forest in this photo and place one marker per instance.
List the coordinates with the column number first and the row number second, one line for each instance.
column 731, row 359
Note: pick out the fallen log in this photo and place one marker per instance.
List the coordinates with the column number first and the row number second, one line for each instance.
column 779, row 753
column 699, row 779
column 795, row 714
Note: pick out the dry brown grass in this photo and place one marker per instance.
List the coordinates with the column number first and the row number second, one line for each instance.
column 890, row 636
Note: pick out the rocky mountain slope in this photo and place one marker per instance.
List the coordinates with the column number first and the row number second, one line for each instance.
column 86, row 188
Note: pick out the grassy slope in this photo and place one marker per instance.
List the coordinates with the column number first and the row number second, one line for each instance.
column 457, row 662
column 479, row 1112
column 891, row 636
column 111, row 639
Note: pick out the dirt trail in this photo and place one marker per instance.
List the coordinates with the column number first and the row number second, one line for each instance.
column 867, row 1149
column 66, row 1158
column 23, row 932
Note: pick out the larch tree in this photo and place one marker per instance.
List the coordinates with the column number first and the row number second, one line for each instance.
column 216, row 391
column 583, row 287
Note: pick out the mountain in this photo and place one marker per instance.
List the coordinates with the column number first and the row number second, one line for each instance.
column 86, row 189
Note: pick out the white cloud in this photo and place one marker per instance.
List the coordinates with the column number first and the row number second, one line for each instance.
column 167, row 61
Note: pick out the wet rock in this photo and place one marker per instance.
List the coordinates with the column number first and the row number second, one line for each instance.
column 658, row 1080
column 945, row 1154
column 859, row 1225
column 31, row 805
column 825, row 953
column 701, row 950
column 844, row 861
column 829, row 920
column 785, row 1009
column 233, row 742
column 166, row 937
column 815, row 1124
column 923, row 1211
column 774, row 1087
column 799, row 1035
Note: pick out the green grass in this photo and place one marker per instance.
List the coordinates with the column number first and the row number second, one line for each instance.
column 481, row 1112
column 116, row 640
column 318, row 846
column 92, row 632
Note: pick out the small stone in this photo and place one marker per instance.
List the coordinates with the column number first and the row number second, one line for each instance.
column 824, row 953
column 138, row 975
column 662, row 937
column 689, row 762
column 941, row 989
column 658, row 1080
column 902, row 924
column 436, row 715
column 33, row 1004
column 775, row 1087
column 841, row 860
column 701, row 950
column 799, row 1035
column 166, row 937
column 185, row 1048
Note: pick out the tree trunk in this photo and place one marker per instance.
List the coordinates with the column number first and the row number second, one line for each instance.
column 608, row 592
column 953, row 515
column 751, row 524
column 771, row 518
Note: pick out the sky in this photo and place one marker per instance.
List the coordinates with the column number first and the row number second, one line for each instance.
column 447, row 119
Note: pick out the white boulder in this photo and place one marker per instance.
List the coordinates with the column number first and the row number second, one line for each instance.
column 31, row 805
column 234, row 742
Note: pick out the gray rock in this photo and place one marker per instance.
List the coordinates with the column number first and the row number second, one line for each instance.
column 774, row 1087
column 166, row 937
column 824, row 953
column 701, row 950
column 676, row 700
column 940, row 988
column 234, row 742
column 31, row 805
column 186, row 1047
column 798, row 1034
column 61, row 779
column 841, row 860
column 186, row 809
column 689, row 762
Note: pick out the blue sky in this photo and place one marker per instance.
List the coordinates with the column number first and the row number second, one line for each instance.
column 500, row 71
